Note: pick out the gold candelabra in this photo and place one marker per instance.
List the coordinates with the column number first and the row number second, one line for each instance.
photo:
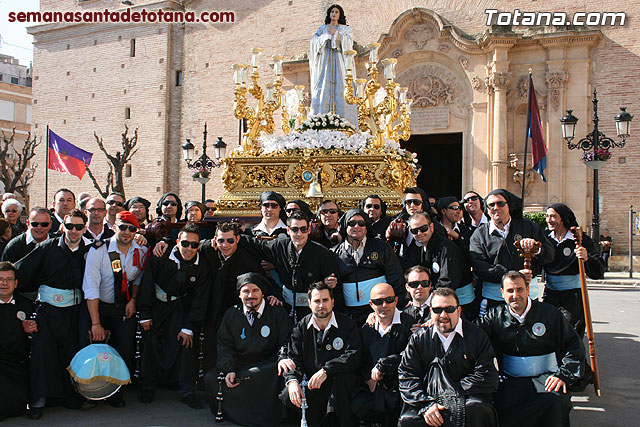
column 260, row 118
column 378, row 118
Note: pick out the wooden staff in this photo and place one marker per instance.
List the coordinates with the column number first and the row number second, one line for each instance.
column 527, row 255
column 577, row 232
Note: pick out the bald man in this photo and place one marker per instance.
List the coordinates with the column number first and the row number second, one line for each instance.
column 383, row 341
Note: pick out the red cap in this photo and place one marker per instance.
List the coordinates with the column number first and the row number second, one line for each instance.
column 126, row 216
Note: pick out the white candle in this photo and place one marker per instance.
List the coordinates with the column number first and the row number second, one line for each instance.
column 373, row 53
column 389, row 68
column 255, row 59
column 277, row 64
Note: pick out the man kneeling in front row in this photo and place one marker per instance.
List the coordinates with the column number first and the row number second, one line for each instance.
column 447, row 374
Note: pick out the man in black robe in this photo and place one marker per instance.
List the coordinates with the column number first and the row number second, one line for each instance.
column 38, row 226
column 14, row 345
column 64, row 201
column 376, row 208
column 251, row 337
column 448, row 369
column 563, row 276
column 173, row 303
column 365, row 261
column 55, row 269
column 492, row 248
column 379, row 400
column 418, row 285
column 539, row 354
column 325, row 349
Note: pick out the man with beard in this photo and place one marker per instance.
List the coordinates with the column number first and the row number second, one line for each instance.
column 450, row 358
column 173, row 304
column 376, row 208
column 418, row 285
column 251, row 336
column 539, row 354
column 111, row 283
column 493, row 251
column 563, row 277
column 325, row 348
column 364, row 262
column 54, row 268
column 382, row 344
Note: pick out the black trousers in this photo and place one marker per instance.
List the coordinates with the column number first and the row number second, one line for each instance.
column 334, row 396
column 478, row 413
column 570, row 304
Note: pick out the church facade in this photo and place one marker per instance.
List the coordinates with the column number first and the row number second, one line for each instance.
column 468, row 81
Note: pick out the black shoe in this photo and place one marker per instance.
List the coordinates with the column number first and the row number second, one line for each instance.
column 34, row 413
column 146, row 395
column 88, row 404
column 116, row 401
column 191, row 401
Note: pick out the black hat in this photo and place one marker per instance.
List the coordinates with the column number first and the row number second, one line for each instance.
column 350, row 214
column 482, row 203
column 445, row 201
column 566, row 214
column 257, row 279
column 304, row 207
column 515, row 202
column 275, row 197
column 145, row 203
column 191, row 204
column 164, row 196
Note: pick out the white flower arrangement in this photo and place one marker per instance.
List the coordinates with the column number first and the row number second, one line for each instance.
column 313, row 139
column 327, row 121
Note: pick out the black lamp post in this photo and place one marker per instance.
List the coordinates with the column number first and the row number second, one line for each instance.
column 594, row 141
column 204, row 164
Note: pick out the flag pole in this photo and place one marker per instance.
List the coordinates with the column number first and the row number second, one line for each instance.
column 526, row 139
column 46, row 170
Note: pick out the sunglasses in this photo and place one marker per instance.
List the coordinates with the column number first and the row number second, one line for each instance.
column 328, row 211
column 454, row 207
column 115, row 202
column 416, row 283
column 415, row 202
column 39, row 224
column 471, row 199
column 229, row 240
column 369, row 206
column 379, row 301
column 169, row 203
column 186, row 244
column 359, row 223
column 125, row 227
column 69, row 226
column 210, row 209
column 270, row 205
column 448, row 309
column 422, row 228
column 295, row 230
column 291, row 210
column 500, row 204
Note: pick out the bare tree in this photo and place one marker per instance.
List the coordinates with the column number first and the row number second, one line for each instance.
column 16, row 171
column 117, row 163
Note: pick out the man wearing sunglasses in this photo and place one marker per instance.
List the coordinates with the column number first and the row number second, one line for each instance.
column 474, row 205
column 418, row 285
column 493, row 251
column 169, row 207
column 111, row 282
column 382, row 343
column 115, row 204
column 452, row 357
column 364, row 262
column 329, row 214
column 173, row 304
column 377, row 211
column 54, row 268
column 251, row 336
column 38, row 226
column 450, row 215
column 97, row 227
column 272, row 206
column 540, row 356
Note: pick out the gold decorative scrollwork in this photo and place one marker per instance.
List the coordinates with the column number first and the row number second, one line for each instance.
column 264, row 176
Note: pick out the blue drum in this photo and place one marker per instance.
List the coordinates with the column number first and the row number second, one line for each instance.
column 98, row 371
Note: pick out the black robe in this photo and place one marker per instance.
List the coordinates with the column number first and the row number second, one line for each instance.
column 188, row 281
column 522, row 401
column 14, row 353
column 252, row 353
column 418, row 317
column 17, row 248
column 469, row 362
column 379, row 228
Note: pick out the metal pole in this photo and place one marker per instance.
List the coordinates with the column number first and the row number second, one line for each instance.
column 595, row 221
column 526, row 141
column 204, row 158
column 631, row 242
column 46, row 170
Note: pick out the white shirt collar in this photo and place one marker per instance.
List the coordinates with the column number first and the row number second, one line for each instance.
column 173, row 257
column 483, row 220
column 358, row 252
column 446, row 341
column 396, row 321
column 260, row 309
column 58, row 217
column 568, row 236
column 504, row 233
column 522, row 318
column 29, row 237
column 332, row 322
column 11, row 301
column 262, row 226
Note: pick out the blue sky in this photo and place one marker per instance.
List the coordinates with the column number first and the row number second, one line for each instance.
column 14, row 38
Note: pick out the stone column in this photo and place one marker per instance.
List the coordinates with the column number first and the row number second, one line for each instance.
column 499, row 81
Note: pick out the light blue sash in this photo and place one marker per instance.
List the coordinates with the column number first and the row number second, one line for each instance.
column 59, row 297
column 466, row 294
column 529, row 366
column 302, row 299
column 491, row 290
column 356, row 296
column 162, row 295
column 563, row 283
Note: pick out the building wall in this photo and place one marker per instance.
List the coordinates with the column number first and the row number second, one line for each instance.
column 166, row 115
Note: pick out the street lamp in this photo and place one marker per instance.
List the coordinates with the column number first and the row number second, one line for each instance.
column 593, row 142
column 203, row 164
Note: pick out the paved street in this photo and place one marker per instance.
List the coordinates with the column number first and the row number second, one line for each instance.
column 617, row 327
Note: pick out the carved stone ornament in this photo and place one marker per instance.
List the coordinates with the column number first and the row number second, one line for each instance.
column 555, row 82
column 478, row 84
column 420, row 34
column 444, row 48
column 464, row 62
column 531, row 177
column 523, row 87
column 430, row 86
column 500, row 80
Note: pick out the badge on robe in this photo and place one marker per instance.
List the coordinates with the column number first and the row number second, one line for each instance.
column 435, row 267
column 566, row 251
column 374, row 256
column 243, row 335
column 21, row 316
column 338, row 343
column 265, row 331
column 538, row 329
